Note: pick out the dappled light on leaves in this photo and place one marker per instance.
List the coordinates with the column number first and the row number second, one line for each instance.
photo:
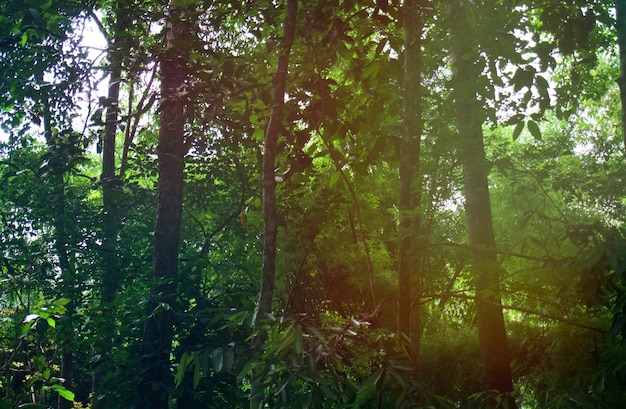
column 312, row 204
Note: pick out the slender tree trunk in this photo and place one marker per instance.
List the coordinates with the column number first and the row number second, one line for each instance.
column 620, row 11
column 110, row 280
column 274, row 125
column 68, row 276
column 469, row 112
column 155, row 380
column 68, row 289
column 410, row 193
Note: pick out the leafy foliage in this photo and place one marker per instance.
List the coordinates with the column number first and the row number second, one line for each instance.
column 545, row 75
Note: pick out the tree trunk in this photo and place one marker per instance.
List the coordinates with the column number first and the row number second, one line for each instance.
column 155, row 380
column 410, row 193
column 68, row 279
column 57, row 173
column 620, row 12
column 110, row 280
column 469, row 113
column 274, row 125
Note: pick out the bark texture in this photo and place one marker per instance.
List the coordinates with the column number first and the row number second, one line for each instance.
column 56, row 172
column 494, row 353
column 410, row 182
column 620, row 12
column 110, row 279
column 155, row 380
column 274, row 126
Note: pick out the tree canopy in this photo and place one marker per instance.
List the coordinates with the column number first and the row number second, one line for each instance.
column 316, row 204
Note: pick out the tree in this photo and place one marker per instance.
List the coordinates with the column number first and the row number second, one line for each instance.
column 111, row 185
column 272, row 132
column 409, row 147
column 29, row 97
column 155, row 378
column 348, row 221
column 469, row 117
column 620, row 15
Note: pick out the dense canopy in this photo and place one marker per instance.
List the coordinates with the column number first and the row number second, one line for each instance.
column 312, row 204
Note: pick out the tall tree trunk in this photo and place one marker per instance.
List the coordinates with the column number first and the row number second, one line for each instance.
column 57, row 173
column 68, row 278
column 620, row 12
column 469, row 114
column 410, row 193
column 155, row 380
column 110, row 279
column 274, row 125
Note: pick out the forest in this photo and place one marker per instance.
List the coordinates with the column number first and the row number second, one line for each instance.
column 312, row 204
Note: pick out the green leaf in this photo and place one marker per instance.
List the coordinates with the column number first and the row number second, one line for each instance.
column 259, row 134
column 319, row 335
column 217, row 358
column 523, row 78
column 23, row 329
column 541, row 83
column 40, row 362
column 240, row 318
column 247, row 369
column 534, row 130
column 180, row 371
column 307, row 400
column 288, row 338
column 229, row 358
column 515, row 119
column 330, row 394
column 400, row 378
column 343, row 51
column 183, row 3
column 205, row 362
column 44, row 4
column 372, row 70
column 35, row 14
column 518, row 130
column 197, row 374
column 64, row 392
column 60, row 305
column 334, row 179
column 51, row 322
column 372, row 380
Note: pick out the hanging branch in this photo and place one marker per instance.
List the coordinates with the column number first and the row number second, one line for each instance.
column 148, row 99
